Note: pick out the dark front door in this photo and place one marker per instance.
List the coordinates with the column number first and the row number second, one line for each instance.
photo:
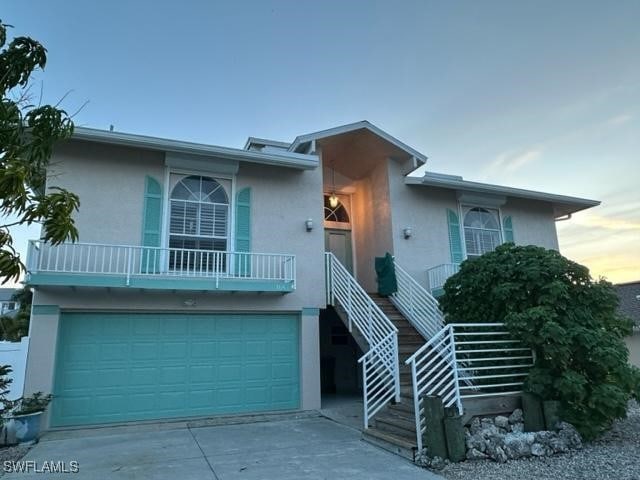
column 338, row 242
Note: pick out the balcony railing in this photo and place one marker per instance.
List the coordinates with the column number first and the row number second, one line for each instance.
column 153, row 267
column 439, row 274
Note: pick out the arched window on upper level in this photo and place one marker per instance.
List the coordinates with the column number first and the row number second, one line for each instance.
column 199, row 214
column 482, row 231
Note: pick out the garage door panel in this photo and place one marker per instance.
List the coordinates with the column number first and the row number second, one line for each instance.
column 121, row 367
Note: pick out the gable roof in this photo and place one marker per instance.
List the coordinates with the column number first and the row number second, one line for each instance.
column 351, row 127
column 562, row 204
column 629, row 295
column 281, row 158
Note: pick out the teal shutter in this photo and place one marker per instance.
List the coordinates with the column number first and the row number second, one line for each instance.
column 507, row 228
column 151, row 225
column 243, row 230
column 455, row 240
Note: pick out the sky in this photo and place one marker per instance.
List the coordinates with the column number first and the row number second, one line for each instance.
column 542, row 95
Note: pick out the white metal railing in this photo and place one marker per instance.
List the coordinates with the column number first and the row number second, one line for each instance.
column 131, row 261
column 467, row 360
column 380, row 369
column 418, row 306
column 439, row 274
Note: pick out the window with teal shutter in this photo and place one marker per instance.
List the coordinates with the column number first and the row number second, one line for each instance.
column 151, row 226
column 507, row 228
column 243, row 231
column 455, row 240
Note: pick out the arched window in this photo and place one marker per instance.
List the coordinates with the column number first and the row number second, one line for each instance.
column 335, row 214
column 481, row 230
column 199, row 216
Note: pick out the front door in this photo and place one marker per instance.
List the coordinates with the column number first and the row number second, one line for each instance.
column 338, row 242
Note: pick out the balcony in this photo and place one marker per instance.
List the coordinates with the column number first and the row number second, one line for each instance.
column 123, row 266
column 438, row 275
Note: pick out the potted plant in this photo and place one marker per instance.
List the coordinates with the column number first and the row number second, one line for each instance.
column 27, row 415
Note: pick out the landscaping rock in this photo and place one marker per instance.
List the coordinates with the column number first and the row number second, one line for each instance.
column 501, row 422
column 503, row 438
column 474, row 454
column 475, row 426
column 516, row 416
column 517, row 427
column 476, row 441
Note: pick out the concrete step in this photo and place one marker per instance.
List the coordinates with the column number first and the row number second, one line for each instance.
column 400, row 445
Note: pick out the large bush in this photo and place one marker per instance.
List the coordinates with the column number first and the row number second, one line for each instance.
column 567, row 318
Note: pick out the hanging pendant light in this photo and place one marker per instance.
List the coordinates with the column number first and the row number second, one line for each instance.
column 333, row 199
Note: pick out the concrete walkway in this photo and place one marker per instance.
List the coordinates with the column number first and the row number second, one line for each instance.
column 304, row 448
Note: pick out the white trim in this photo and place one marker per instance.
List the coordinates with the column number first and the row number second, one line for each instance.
column 281, row 159
column 231, row 214
column 562, row 204
column 462, row 206
column 364, row 124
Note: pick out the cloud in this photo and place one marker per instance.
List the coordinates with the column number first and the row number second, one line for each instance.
column 619, row 120
column 607, row 223
column 513, row 161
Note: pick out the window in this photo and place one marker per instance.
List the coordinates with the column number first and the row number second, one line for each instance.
column 8, row 306
column 481, row 230
column 198, row 220
column 335, row 214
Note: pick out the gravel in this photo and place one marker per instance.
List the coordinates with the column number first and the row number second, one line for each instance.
column 614, row 455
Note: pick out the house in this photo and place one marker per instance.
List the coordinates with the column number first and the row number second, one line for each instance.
column 8, row 306
column 200, row 284
column 629, row 296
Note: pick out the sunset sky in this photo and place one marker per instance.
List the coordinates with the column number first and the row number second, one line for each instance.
column 542, row 95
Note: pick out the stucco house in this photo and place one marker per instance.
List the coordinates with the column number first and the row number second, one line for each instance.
column 201, row 285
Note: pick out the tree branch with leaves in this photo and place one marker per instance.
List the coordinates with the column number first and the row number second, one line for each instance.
column 28, row 134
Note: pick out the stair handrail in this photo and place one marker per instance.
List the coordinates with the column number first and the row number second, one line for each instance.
column 415, row 302
column 464, row 361
column 434, row 372
column 380, row 364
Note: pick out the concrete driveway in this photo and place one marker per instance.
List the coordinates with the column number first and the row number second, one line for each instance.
column 300, row 448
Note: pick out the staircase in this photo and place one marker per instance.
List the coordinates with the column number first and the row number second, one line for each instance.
column 394, row 428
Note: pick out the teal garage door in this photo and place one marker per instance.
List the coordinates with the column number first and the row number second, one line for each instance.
column 124, row 367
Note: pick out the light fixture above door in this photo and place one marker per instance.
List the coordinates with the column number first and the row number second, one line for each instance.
column 333, row 199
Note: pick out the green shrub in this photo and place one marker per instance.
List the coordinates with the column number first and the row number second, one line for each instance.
column 567, row 318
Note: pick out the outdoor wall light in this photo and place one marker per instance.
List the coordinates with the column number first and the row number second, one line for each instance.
column 308, row 224
column 407, row 232
column 189, row 302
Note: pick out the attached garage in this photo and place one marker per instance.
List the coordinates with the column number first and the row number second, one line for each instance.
column 117, row 367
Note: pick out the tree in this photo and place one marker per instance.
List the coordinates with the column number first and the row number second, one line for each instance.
column 13, row 328
column 28, row 134
column 568, row 319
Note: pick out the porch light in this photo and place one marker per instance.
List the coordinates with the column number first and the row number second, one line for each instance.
column 333, row 200
column 308, row 224
column 407, row 232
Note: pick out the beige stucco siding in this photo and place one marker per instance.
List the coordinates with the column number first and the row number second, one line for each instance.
column 110, row 183
column 423, row 209
column 533, row 223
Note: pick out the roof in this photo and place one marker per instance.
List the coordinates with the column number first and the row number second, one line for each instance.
column 562, row 204
column 6, row 294
column 265, row 142
column 282, row 158
column 629, row 295
column 351, row 127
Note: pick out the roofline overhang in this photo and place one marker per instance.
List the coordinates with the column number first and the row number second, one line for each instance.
column 351, row 127
column 285, row 159
column 563, row 205
column 265, row 141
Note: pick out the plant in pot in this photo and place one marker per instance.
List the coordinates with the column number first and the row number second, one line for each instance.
column 27, row 415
